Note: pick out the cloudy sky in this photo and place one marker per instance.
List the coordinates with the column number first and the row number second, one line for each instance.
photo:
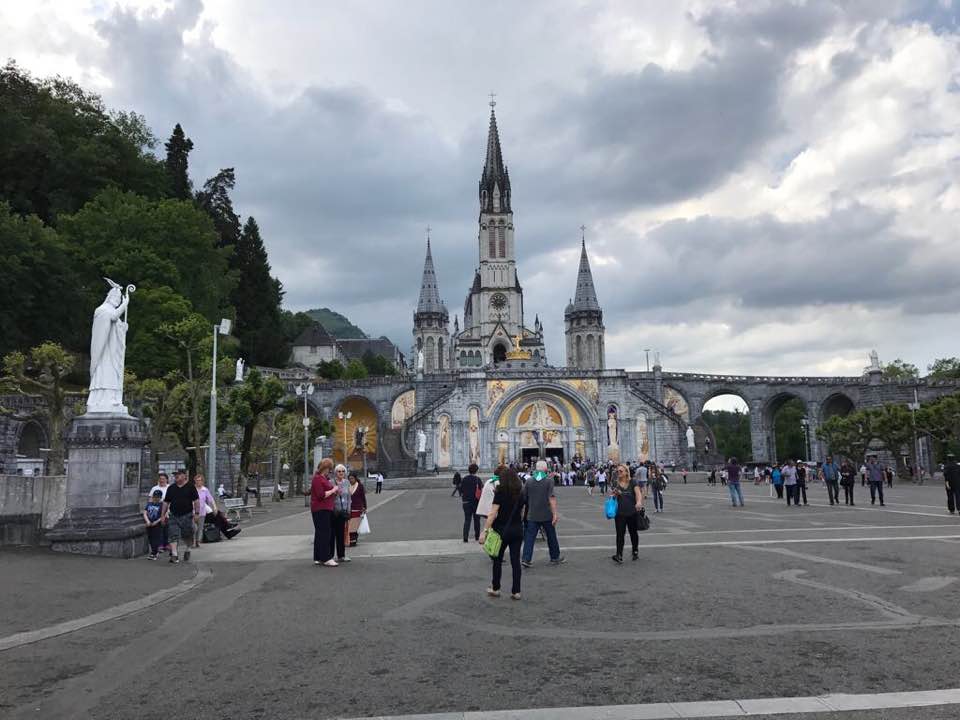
column 768, row 187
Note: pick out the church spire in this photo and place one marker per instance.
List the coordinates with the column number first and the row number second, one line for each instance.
column 429, row 292
column 495, row 179
column 586, row 296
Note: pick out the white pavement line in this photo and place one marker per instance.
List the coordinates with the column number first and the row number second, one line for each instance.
column 117, row 611
column 929, row 584
column 761, row 516
column 421, row 501
column 758, row 707
column 877, row 570
column 863, row 508
column 394, row 496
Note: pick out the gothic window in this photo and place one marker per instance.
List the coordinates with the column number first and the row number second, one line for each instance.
column 578, row 354
column 501, row 232
column 430, row 358
column 492, row 241
column 440, row 354
column 499, row 353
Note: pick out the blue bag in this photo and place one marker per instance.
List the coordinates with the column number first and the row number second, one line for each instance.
column 610, row 507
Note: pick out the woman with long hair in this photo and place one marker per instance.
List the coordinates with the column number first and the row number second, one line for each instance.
column 506, row 517
column 629, row 505
column 322, row 493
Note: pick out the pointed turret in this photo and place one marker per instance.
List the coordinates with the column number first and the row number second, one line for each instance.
column 429, row 292
column 586, row 295
column 584, row 319
column 495, row 179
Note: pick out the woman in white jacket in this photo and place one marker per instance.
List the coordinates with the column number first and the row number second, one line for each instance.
column 485, row 503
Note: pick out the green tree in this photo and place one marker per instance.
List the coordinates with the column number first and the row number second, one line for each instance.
column 331, row 370
column 257, row 299
column 177, row 164
column 153, row 243
column 941, row 421
column 355, row 370
column 944, row 369
column 377, row 365
column 245, row 406
column 61, row 147
column 42, row 372
column 293, row 324
column 900, row 370
column 214, row 200
column 39, row 289
column 732, row 432
column 848, row 435
column 159, row 400
column 892, row 425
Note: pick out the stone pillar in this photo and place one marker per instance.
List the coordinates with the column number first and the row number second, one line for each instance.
column 103, row 514
column 758, row 434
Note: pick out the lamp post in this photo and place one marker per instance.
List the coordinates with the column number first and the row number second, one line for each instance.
column 344, row 417
column 917, row 450
column 805, row 422
column 305, row 391
column 222, row 329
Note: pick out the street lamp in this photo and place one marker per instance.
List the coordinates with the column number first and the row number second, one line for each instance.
column 305, row 391
column 344, row 417
column 917, row 449
column 222, row 329
column 805, row 422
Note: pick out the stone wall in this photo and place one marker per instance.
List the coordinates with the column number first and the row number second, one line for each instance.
column 29, row 506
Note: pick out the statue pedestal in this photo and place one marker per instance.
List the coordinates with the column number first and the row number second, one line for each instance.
column 103, row 513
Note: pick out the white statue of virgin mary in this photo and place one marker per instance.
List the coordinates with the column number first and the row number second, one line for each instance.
column 108, row 348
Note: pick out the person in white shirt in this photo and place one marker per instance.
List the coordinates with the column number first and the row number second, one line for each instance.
column 162, row 482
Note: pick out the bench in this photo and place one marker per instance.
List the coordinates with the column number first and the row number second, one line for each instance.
column 232, row 507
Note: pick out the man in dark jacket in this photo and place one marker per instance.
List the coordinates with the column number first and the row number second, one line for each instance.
column 951, row 479
column 470, row 485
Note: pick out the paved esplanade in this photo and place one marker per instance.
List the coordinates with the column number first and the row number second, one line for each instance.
column 834, row 608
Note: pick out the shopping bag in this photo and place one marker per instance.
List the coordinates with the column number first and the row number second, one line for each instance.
column 610, row 507
column 492, row 543
column 364, row 528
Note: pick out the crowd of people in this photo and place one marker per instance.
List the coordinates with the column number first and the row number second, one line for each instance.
column 177, row 516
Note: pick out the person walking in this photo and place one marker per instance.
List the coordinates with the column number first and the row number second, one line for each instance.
column 163, row 482
column 506, row 518
column 487, row 493
column 541, row 504
column 456, row 484
column 629, row 505
column 151, row 520
column 831, row 476
column 341, row 512
column 888, row 473
column 733, row 482
column 181, row 508
column 875, row 478
column 801, row 483
column 322, row 493
column 379, row 477
column 358, row 507
column 471, row 489
column 776, row 480
column 789, row 473
column 951, row 481
column 657, row 484
column 863, row 475
column 848, row 478
column 602, row 481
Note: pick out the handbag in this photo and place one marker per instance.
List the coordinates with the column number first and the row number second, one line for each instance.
column 610, row 507
column 478, row 491
column 364, row 528
column 643, row 521
column 493, row 543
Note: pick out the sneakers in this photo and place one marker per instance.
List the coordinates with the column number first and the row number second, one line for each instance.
column 514, row 596
column 186, row 556
column 636, row 555
column 559, row 561
column 526, row 563
column 331, row 563
column 152, row 556
column 343, row 559
column 232, row 532
column 316, row 562
column 174, row 559
column 493, row 593
column 617, row 559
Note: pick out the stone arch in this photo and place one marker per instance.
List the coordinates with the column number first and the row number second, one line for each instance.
column 771, row 408
column 514, row 398
column 444, row 441
column 32, row 438
column 363, row 413
column 836, row 404
column 710, row 453
column 499, row 352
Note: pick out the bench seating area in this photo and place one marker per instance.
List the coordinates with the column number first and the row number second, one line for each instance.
column 232, row 507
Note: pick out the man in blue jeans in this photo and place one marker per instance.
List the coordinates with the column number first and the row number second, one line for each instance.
column 541, row 513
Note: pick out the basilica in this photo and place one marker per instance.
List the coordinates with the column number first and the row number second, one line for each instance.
column 493, row 312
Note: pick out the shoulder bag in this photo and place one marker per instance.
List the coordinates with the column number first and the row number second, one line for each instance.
column 494, row 542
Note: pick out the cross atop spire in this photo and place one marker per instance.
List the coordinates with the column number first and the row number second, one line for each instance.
column 583, row 236
column 493, row 100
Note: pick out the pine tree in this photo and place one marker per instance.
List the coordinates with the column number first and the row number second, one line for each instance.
column 257, row 300
column 178, row 151
column 215, row 200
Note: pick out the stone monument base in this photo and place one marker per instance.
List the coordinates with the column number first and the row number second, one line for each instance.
column 103, row 488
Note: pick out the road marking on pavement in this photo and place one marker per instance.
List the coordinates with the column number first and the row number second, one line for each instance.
column 824, row 560
column 929, row 584
column 756, row 707
column 421, row 501
column 118, row 611
column 391, row 498
column 761, row 516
